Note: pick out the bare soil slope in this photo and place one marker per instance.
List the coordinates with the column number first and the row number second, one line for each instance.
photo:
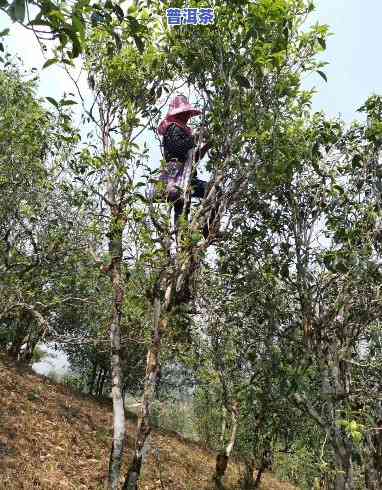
column 54, row 438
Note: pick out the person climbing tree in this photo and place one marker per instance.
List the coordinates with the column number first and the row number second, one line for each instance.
column 178, row 140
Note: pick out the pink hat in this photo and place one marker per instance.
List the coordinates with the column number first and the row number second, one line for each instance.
column 180, row 104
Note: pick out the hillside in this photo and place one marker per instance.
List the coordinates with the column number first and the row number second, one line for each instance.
column 53, row 438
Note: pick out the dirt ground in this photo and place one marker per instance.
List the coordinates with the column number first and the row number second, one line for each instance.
column 54, row 438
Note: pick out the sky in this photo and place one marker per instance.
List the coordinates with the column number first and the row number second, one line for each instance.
column 354, row 55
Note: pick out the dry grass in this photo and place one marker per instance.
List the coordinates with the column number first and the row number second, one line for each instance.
column 53, row 438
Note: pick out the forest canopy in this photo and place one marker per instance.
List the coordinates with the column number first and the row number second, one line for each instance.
column 256, row 300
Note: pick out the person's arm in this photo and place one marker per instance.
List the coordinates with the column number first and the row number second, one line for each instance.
column 202, row 136
column 200, row 152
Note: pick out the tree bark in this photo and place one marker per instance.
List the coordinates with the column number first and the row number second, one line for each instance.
column 220, row 469
column 92, row 379
column 103, row 377
column 372, row 457
column 224, row 425
column 116, row 454
column 248, row 481
column 266, row 463
column 223, row 457
column 258, row 477
column 98, row 383
column 344, row 466
column 19, row 336
column 177, row 291
column 152, row 377
column 30, row 347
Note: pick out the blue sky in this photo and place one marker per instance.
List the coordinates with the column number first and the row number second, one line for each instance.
column 354, row 55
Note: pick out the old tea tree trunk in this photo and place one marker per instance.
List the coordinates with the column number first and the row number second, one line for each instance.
column 151, row 380
column 223, row 457
column 114, row 270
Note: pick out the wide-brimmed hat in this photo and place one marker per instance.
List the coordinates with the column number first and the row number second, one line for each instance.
column 180, row 104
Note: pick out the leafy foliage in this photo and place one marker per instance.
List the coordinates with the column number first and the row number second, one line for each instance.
column 275, row 337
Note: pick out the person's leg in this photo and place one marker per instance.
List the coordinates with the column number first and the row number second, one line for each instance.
column 178, row 210
column 200, row 189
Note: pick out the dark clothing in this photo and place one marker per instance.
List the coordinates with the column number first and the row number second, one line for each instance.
column 177, row 143
column 199, row 189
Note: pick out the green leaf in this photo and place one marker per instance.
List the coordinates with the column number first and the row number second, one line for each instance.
column 110, row 50
column 118, row 12
column 78, row 24
column 76, row 44
column 356, row 161
column 243, row 82
column 340, row 266
column 356, row 436
column 77, row 48
column 139, row 43
column 322, row 42
column 4, row 32
column 67, row 61
column 196, row 237
column 118, row 41
column 328, row 262
column 49, row 62
column 39, row 22
column 68, row 102
column 1, row 47
column 52, row 101
column 134, row 24
column 339, row 188
column 18, row 10
column 322, row 74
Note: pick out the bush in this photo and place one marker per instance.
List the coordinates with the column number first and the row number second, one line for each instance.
column 207, row 418
column 74, row 382
column 174, row 415
column 299, row 467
